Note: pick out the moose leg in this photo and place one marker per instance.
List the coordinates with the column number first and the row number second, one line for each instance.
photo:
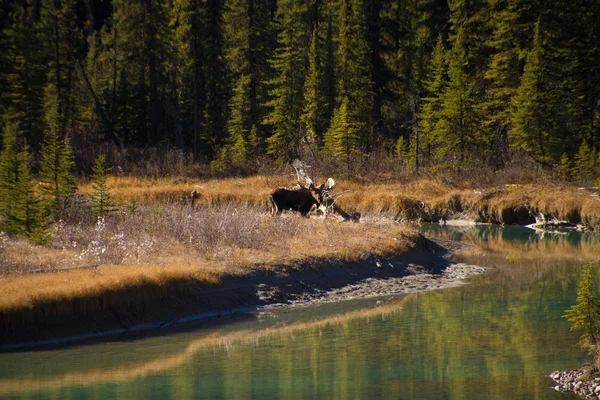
column 274, row 208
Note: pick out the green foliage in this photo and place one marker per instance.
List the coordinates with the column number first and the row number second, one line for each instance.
column 56, row 173
column 287, row 94
column 585, row 315
column 435, row 85
column 102, row 203
column 530, row 132
column 236, row 79
column 348, row 134
column 457, row 133
column 402, row 147
column 20, row 210
column 563, row 170
column 313, row 116
column 343, row 137
column 584, row 169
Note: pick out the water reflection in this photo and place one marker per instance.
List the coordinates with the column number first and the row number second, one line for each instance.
column 495, row 338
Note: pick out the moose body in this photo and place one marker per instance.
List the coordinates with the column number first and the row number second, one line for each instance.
column 300, row 200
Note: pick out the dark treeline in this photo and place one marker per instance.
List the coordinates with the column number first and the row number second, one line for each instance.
column 437, row 83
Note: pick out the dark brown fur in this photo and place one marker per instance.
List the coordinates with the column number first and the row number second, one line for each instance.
column 300, row 200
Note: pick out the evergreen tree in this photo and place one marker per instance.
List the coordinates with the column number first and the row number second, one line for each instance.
column 530, row 132
column 314, row 115
column 215, row 91
column 584, row 169
column 343, row 137
column 288, row 85
column 102, row 203
column 564, row 168
column 584, row 315
column 19, row 209
column 246, row 26
column 61, row 42
column 350, row 131
column 512, row 34
column 22, row 69
column 457, row 133
column 434, row 86
column 56, row 172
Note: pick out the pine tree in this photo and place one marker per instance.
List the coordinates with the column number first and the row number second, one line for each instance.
column 530, row 132
column 56, row 173
column 215, row 93
column 350, row 131
column 584, row 169
column 434, row 85
column 564, row 168
column 237, row 21
column 584, row 315
column 19, row 208
column 343, row 137
column 61, row 42
column 287, row 93
column 456, row 133
column 102, row 203
column 512, row 34
column 314, row 115
column 22, row 70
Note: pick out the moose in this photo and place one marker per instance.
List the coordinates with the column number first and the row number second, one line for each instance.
column 300, row 198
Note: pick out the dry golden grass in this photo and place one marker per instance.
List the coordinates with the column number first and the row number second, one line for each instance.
column 315, row 242
column 28, row 292
column 389, row 198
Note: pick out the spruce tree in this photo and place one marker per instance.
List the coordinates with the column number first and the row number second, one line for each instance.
column 102, row 203
column 434, row 86
column 529, row 130
column 61, row 42
column 314, row 115
column 584, row 169
column 512, row 34
column 289, row 63
column 456, row 133
column 585, row 315
column 19, row 209
column 56, row 172
column 350, row 131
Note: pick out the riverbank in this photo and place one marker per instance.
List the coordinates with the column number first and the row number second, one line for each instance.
column 422, row 199
column 420, row 267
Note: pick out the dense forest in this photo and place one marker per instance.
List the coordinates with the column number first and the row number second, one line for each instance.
column 436, row 83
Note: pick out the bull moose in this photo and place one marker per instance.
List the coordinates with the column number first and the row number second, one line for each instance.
column 300, row 200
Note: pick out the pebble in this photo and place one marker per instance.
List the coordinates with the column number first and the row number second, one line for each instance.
column 569, row 381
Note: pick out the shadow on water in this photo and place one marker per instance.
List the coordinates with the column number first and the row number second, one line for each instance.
column 496, row 338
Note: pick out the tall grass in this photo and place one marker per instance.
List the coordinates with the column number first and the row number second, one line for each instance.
column 430, row 197
column 156, row 250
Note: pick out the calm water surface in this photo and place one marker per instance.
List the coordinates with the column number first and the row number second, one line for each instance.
column 496, row 338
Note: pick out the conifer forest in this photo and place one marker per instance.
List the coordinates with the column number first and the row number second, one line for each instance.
column 439, row 84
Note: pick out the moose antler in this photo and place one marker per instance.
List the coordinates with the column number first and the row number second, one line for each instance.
column 302, row 174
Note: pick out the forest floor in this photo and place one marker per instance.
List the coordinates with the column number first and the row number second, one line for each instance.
column 161, row 257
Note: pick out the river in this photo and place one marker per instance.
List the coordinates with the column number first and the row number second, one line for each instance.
column 496, row 338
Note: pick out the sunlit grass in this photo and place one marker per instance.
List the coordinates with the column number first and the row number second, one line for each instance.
column 556, row 201
column 145, row 253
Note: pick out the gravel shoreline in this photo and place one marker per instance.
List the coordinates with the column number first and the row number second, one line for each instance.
column 571, row 381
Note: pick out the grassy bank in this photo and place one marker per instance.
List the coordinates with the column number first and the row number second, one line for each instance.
column 157, row 245
column 421, row 199
column 168, row 252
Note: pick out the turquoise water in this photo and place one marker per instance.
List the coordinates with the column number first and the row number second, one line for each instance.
column 496, row 338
